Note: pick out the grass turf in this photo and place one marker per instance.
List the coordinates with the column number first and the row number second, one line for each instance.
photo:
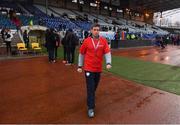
column 160, row 76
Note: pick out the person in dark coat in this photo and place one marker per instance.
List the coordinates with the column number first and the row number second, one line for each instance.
column 57, row 37
column 26, row 38
column 60, row 27
column 3, row 34
column 51, row 45
column 8, row 39
column 64, row 43
column 160, row 41
column 46, row 38
column 72, row 41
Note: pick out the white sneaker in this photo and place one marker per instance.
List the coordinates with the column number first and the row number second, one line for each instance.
column 54, row 61
column 68, row 64
column 91, row 113
column 64, row 61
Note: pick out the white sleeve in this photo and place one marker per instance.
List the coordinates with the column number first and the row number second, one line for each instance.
column 108, row 58
column 81, row 60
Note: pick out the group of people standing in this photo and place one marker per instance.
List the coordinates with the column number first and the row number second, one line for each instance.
column 175, row 39
column 69, row 43
column 7, row 37
column 162, row 41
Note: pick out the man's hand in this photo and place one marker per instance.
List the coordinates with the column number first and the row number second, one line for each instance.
column 79, row 70
column 108, row 66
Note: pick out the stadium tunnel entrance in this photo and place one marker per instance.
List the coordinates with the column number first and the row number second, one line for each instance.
column 36, row 33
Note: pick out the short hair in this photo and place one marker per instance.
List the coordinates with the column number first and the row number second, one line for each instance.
column 95, row 25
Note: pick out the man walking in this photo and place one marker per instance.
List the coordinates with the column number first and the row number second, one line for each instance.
column 91, row 57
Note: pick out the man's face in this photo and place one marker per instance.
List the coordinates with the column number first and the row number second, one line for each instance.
column 95, row 31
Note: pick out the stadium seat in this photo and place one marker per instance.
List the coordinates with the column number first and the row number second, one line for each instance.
column 35, row 47
column 21, row 48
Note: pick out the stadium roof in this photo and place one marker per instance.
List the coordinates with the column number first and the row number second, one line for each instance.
column 154, row 5
column 158, row 5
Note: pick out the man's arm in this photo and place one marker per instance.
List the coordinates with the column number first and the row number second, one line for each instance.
column 81, row 56
column 107, row 55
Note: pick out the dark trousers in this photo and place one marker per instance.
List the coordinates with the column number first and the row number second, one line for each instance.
column 56, row 48
column 51, row 53
column 8, row 47
column 65, row 53
column 27, row 44
column 70, row 54
column 92, row 81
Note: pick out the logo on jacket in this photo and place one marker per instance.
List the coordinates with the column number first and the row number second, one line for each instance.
column 87, row 74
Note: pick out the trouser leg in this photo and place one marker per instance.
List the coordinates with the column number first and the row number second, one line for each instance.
column 90, row 82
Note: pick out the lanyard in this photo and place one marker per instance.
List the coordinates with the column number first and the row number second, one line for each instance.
column 95, row 46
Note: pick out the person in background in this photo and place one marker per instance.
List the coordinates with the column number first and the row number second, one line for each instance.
column 3, row 33
column 46, row 37
column 52, row 15
column 72, row 41
column 26, row 38
column 160, row 41
column 86, row 34
column 60, row 27
column 51, row 45
column 57, row 44
column 64, row 43
column 8, row 39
